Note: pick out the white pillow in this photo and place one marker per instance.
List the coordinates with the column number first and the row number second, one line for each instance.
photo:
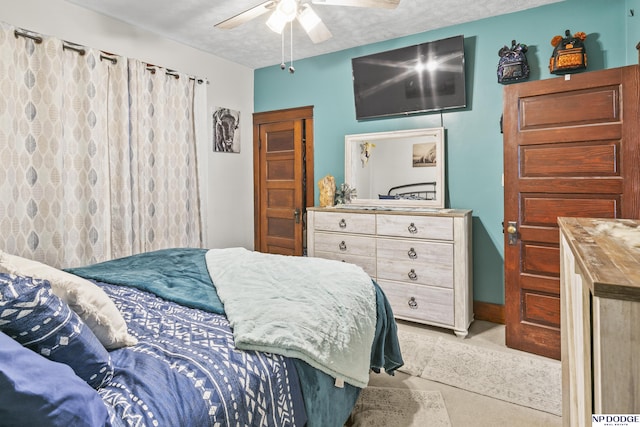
column 90, row 302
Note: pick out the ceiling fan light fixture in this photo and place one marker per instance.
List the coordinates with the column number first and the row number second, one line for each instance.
column 284, row 13
column 288, row 8
column 308, row 18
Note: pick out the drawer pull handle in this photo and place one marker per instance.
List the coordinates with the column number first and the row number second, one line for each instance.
column 413, row 304
column 412, row 254
column 412, row 275
column 342, row 246
column 342, row 223
column 412, row 228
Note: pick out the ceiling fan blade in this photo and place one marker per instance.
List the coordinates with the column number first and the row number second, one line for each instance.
column 246, row 16
column 312, row 24
column 319, row 33
column 385, row 4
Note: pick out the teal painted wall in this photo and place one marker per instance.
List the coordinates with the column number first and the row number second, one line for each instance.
column 473, row 139
column 632, row 21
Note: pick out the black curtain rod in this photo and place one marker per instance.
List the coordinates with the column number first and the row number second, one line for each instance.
column 77, row 48
column 108, row 58
column 20, row 33
column 152, row 69
column 74, row 47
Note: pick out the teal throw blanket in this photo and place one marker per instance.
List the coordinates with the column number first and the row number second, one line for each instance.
column 179, row 275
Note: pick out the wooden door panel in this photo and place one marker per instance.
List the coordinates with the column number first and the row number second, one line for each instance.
column 565, row 135
column 570, row 160
column 570, row 108
column 537, row 210
column 570, row 149
column 538, row 215
column 541, row 309
column 540, row 284
column 585, row 185
column 280, row 229
column 538, row 234
column 280, row 197
column 280, row 141
column 280, row 168
column 543, row 260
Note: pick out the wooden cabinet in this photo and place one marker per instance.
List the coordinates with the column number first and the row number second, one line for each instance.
column 420, row 258
column 600, row 314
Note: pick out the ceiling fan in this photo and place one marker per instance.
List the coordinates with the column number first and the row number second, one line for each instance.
column 285, row 11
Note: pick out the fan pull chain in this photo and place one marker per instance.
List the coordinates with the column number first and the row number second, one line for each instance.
column 282, row 64
column 291, row 69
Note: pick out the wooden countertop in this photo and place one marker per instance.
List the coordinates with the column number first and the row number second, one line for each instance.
column 607, row 252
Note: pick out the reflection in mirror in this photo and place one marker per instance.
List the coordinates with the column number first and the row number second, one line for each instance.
column 397, row 168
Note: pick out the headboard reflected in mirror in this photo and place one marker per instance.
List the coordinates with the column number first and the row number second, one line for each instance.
column 398, row 168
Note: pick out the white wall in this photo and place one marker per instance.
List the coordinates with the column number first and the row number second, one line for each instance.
column 227, row 179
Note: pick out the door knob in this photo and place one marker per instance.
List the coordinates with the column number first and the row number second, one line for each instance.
column 296, row 215
column 512, row 232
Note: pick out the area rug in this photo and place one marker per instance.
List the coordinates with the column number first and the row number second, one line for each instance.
column 417, row 350
column 508, row 375
column 398, row 407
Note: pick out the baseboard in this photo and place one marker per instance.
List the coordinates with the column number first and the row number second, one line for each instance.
column 488, row 311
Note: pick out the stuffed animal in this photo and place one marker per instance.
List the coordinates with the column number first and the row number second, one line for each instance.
column 569, row 54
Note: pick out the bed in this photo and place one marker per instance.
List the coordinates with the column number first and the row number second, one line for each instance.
column 191, row 337
column 415, row 191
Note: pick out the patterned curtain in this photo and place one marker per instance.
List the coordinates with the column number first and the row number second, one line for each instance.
column 94, row 120
column 30, row 136
column 165, row 187
column 120, row 201
column 75, row 186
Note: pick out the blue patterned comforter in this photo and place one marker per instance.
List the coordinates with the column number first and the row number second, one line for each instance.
column 181, row 275
column 185, row 371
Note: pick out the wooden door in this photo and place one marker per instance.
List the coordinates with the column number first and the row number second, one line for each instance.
column 281, row 165
column 571, row 148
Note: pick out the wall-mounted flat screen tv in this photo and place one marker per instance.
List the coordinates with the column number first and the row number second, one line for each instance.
column 414, row 79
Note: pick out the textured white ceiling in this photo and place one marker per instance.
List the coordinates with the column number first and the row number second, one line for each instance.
column 252, row 44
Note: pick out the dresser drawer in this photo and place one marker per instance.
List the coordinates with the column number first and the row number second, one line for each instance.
column 421, row 303
column 368, row 264
column 421, row 227
column 345, row 244
column 418, row 262
column 345, row 222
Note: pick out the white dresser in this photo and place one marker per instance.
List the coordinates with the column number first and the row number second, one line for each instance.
column 421, row 259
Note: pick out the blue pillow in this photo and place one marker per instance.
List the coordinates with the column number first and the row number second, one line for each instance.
column 35, row 391
column 32, row 315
